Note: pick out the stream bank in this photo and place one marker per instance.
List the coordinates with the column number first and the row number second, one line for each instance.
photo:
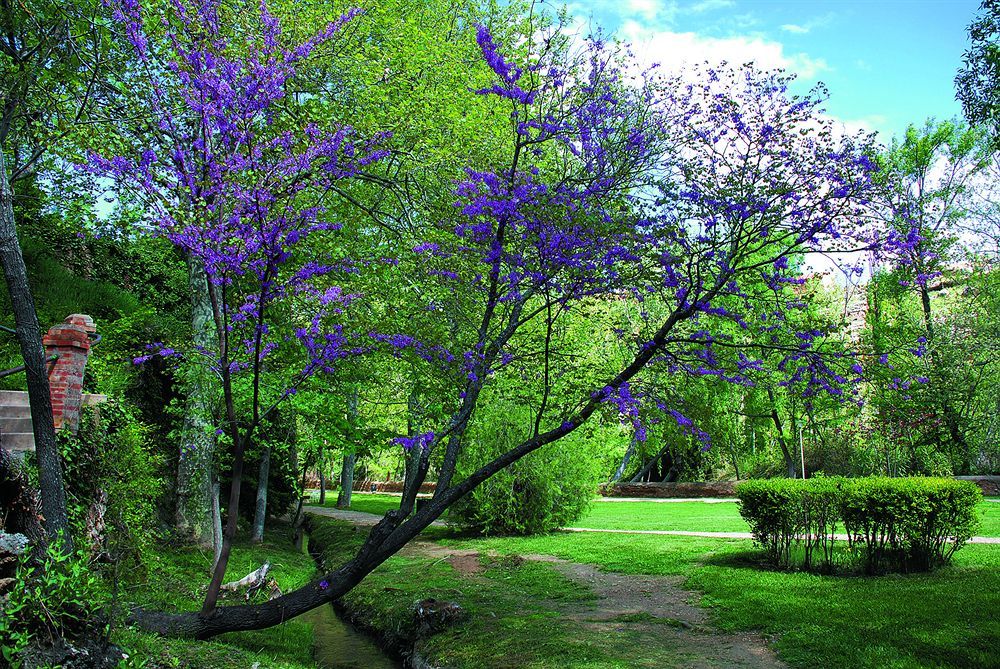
column 344, row 639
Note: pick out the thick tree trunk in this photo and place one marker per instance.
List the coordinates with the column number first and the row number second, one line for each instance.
column 216, row 524
column 260, row 512
column 195, row 515
column 321, row 469
column 346, row 481
column 50, row 478
column 350, row 458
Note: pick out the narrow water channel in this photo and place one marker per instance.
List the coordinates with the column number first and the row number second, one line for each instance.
column 337, row 645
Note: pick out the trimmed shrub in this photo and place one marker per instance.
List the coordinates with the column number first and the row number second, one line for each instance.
column 773, row 509
column 899, row 524
column 908, row 524
column 820, row 514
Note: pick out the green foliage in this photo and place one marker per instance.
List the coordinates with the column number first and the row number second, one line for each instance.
column 56, row 597
column 773, row 509
column 978, row 82
column 548, row 489
column 894, row 524
column 913, row 523
column 112, row 454
column 175, row 581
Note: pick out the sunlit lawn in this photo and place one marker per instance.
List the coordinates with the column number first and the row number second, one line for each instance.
column 695, row 516
column 950, row 618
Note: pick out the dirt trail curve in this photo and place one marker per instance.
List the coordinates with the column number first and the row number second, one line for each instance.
column 652, row 612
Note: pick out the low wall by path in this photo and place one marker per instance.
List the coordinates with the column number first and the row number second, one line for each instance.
column 686, row 489
column 388, row 486
column 990, row 485
column 312, row 483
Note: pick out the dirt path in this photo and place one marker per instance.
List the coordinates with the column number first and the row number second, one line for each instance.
column 653, row 619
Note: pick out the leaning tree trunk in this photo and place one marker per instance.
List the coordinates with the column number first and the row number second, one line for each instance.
column 790, row 469
column 197, row 506
column 649, row 465
column 260, row 513
column 629, row 452
column 50, row 478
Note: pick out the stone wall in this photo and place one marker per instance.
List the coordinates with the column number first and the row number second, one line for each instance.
column 989, row 484
column 692, row 490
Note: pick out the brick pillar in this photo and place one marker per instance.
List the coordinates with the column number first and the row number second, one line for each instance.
column 70, row 342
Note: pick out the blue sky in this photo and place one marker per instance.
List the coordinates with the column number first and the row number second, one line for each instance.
column 886, row 63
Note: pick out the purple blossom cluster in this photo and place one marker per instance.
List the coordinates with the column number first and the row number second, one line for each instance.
column 238, row 188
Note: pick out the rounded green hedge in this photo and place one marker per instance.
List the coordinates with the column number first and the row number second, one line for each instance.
column 892, row 524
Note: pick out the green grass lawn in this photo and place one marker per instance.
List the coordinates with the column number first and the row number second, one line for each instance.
column 689, row 516
column 693, row 516
column 990, row 520
column 945, row 619
column 175, row 581
column 950, row 618
column 516, row 612
column 377, row 503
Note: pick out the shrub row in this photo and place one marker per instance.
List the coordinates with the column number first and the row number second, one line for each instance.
column 892, row 524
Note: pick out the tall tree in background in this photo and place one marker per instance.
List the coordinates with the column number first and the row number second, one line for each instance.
column 53, row 60
column 239, row 192
column 926, row 184
column 978, row 83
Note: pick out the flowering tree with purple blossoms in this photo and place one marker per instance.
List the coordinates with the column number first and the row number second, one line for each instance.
column 231, row 188
column 691, row 201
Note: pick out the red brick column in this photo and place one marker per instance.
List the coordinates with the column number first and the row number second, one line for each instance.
column 70, row 342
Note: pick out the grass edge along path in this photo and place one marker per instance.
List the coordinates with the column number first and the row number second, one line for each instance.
column 701, row 516
column 531, row 611
column 945, row 619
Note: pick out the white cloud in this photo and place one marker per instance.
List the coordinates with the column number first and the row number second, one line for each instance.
column 675, row 49
column 710, row 5
column 792, row 28
column 872, row 123
column 804, row 28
